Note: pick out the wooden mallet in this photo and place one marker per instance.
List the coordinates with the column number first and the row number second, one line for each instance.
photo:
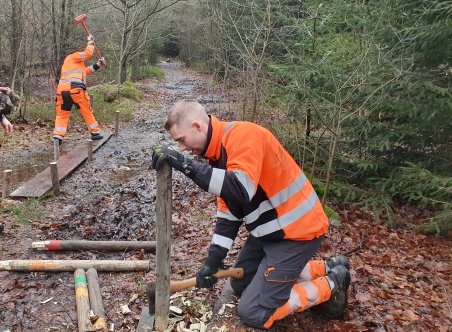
column 177, row 286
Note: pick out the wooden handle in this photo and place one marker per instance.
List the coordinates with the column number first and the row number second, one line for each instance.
column 177, row 286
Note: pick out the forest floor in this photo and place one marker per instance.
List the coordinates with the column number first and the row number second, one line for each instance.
column 400, row 278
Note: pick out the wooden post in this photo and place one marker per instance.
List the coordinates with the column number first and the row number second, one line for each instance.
column 90, row 149
column 95, row 300
column 55, row 181
column 72, row 265
column 163, row 211
column 56, row 149
column 116, row 123
column 82, row 299
column 6, row 190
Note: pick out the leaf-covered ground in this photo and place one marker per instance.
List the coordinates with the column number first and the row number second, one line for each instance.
column 400, row 278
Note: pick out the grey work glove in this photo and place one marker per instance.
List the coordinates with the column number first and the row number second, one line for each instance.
column 169, row 155
column 90, row 38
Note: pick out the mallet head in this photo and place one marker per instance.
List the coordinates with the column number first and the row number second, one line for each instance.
column 81, row 18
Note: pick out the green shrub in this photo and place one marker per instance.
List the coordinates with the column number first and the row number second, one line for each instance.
column 146, row 71
column 30, row 210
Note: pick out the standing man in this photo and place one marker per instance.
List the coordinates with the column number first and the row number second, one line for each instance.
column 71, row 91
column 8, row 99
column 257, row 182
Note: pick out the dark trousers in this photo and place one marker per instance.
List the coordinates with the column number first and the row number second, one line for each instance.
column 271, row 269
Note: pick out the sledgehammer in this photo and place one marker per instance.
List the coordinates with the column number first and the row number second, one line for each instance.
column 176, row 286
column 81, row 20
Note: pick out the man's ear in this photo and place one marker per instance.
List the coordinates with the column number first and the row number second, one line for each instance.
column 196, row 125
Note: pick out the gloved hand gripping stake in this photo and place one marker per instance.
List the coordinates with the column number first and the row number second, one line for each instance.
column 81, row 20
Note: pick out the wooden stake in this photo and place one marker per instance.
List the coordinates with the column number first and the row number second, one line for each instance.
column 90, row 149
column 95, row 300
column 56, row 245
column 82, row 299
column 72, row 265
column 116, row 123
column 6, row 190
column 56, row 149
column 54, row 175
column 163, row 211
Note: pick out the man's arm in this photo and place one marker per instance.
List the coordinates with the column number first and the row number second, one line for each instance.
column 7, row 126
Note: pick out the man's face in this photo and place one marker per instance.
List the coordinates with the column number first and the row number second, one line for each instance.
column 192, row 138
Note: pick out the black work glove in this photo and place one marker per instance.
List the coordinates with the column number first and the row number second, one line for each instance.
column 168, row 154
column 205, row 276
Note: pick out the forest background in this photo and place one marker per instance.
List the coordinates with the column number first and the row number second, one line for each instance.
column 358, row 91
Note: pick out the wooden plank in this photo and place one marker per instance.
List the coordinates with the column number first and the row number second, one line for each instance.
column 42, row 182
column 82, row 300
column 163, row 214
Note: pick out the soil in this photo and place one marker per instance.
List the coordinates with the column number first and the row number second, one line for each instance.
column 400, row 278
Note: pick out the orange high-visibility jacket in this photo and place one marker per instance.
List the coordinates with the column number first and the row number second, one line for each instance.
column 258, row 182
column 74, row 71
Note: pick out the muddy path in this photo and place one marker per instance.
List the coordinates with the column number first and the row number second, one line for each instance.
column 400, row 279
column 111, row 197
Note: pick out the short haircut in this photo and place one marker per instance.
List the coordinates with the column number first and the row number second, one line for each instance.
column 184, row 112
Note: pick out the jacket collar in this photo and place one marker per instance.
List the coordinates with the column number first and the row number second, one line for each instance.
column 214, row 136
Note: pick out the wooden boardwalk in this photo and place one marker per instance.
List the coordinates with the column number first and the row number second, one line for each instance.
column 42, row 182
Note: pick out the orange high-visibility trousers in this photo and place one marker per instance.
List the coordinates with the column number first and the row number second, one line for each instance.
column 64, row 103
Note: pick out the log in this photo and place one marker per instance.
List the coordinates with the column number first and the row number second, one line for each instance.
column 116, row 123
column 6, row 190
column 54, row 175
column 163, row 262
column 56, row 149
column 82, row 299
column 95, row 300
column 57, row 245
column 90, row 149
column 72, row 265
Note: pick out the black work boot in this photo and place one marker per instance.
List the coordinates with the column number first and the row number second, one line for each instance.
column 96, row 136
column 334, row 308
column 1, row 228
column 338, row 260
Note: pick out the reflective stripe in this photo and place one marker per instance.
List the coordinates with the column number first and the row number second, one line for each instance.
column 305, row 275
column 285, row 220
column 82, row 55
column 228, row 126
column 278, row 199
column 313, row 294
column 285, row 194
column 222, row 241
column 94, row 125
column 227, row 215
column 263, row 207
column 63, row 129
column 92, row 68
column 216, row 181
column 72, row 72
column 294, row 300
column 71, row 80
column 300, row 210
column 246, row 182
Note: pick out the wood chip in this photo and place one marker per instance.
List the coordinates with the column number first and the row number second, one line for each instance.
column 124, row 309
column 45, row 301
column 175, row 310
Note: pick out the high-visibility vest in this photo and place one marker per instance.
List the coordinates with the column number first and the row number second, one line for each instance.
column 280, row 202
column 74, row 71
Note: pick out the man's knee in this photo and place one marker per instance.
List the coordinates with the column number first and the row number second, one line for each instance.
column 253, row 316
